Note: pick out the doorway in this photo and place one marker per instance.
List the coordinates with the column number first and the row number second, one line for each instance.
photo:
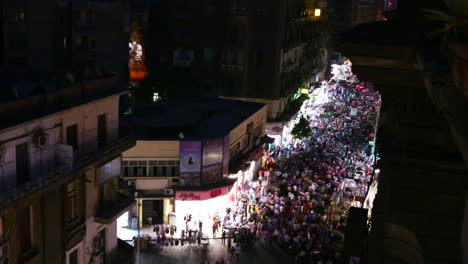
column 153, row 211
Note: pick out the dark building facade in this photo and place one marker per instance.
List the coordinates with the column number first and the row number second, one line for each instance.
column 234, row 48
column 349, row 13
column 420, row 211
column 45, row 38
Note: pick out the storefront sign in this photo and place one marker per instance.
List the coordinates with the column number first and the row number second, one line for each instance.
column 202, row 195
column 188, row 196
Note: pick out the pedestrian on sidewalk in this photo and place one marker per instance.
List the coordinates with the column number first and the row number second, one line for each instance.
column 224, row 237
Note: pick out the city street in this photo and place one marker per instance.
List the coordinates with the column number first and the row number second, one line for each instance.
column 212, row 252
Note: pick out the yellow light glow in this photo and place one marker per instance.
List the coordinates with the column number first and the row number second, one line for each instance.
column 317, row 12
column 304, row 91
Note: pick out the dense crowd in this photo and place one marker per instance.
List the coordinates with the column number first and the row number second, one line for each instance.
column 312, row 182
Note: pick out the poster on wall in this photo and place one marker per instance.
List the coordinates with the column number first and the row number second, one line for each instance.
column 226, row 156
column 212, row 165
column 190, row 163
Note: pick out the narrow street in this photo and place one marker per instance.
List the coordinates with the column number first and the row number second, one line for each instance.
column 307, row 184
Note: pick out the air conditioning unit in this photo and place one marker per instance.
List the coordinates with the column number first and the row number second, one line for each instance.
column 42, row 140
column 168, row 191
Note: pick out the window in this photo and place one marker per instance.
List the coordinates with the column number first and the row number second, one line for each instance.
column 208, row 56
column 15, row 15
column 102, row 130
column 164, row 168
column 25, row 221
column 22, row 163
column 72, row 201
column 73, row 257
column 134, row 168
column 259, row 59
column 151, row 168
column 72, row 136
column 84, row 43
column 211, row 7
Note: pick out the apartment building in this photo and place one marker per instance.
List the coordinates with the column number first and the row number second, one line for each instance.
column 60, row 159
column 63, row 66
column 44, row 39
column 345, row 15
column 189, row 146
column 235, row 49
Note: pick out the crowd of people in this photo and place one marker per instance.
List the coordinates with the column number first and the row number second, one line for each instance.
column 312, row 182
column 306, row 186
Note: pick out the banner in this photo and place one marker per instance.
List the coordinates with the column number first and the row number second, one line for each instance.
column 190, row 163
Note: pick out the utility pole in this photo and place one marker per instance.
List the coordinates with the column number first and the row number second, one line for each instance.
column 138, row 230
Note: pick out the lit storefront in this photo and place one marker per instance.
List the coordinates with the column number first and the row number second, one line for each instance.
column 203, row 206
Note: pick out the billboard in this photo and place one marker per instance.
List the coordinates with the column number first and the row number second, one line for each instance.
column 226, row 155
column 212, row 165
column 190, row 163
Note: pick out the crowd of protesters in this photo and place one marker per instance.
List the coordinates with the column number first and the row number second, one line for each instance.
column 312, row 182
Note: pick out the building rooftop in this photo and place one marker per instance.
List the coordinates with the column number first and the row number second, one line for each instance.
column 52, row 99
column 195, row 118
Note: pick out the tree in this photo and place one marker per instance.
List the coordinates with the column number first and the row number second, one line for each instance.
column 301, row 129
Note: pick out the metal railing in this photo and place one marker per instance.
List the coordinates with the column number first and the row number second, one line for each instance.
column 79, row 163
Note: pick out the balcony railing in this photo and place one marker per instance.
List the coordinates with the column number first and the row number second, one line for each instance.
column 108, row 214
column 79, row 165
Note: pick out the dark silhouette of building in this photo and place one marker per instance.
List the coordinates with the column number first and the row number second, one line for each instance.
column 345, row 15
column 252, row 50
column 419, row 214
column 46, row 38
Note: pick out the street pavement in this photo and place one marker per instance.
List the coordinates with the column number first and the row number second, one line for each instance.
column 212, row 252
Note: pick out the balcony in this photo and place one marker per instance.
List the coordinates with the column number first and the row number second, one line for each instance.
column 109, row 214
column 62, row 175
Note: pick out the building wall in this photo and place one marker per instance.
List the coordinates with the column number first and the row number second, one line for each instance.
column 112, row 36
column 43, row 159
column 93, row 205
column 153, row 184
column 153, row 150
column 240, row 132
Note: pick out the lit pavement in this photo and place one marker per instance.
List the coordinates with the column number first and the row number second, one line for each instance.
column 212, row 252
